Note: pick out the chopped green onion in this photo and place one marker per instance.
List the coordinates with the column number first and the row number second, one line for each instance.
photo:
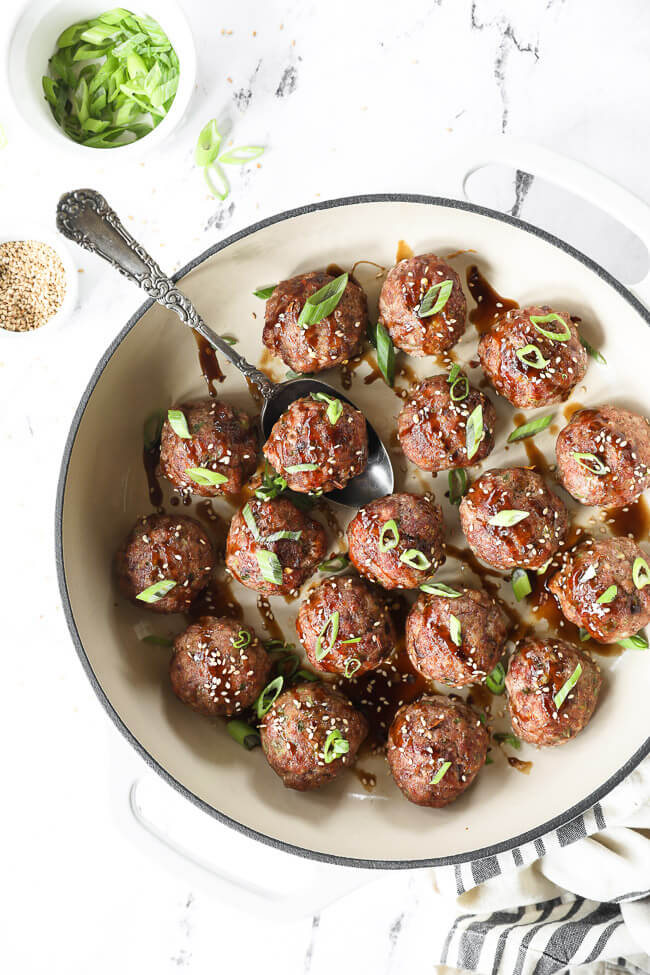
column 415, row 559
column 538, row 361
column 230, row 339
column 488, row 760
column 562, row 336
column 156, row 592
column 474, row 431
column 496, row 680
column 521, row 586
column 385, row 353
column 272, row 485
column 388, row 528
column 282, row 535
column 608, row 596
column 333, row 621
column 158, row 641
column 249, row 518
column 335, row 746
column 561, row 695
column 506, row 738
column 584, row 634
column 463, row 382
column 352, row 665
column 204, row 476
column 216, row 181
column 440, row 774
column 336, row 564
column 242, row 640
column 290, row 374
column 593, row 352
column 435, row 299
column 542, row 569
column 178, row 423
column 636, row 642
column 266, row 699
column 591, row 463
column 334, row 408
column 299, row 468
column 455, row 631
column 265, row 293
column 241, row 155
column 243, row 734
column 439, row 589
column 458, row 484
column 454, row 372
column 508, row 518
column 353, row 639
column 307, row 675
column 530, row 429
column 270, row 566
column 207, row 144
column 152, row 429
column 321, row 304
column 640, row 573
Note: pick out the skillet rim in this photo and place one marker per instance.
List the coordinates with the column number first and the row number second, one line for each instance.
column 331, row 858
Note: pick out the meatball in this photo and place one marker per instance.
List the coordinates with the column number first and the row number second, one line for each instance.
column 405, row 289
column 346, row 627
column 312, row 348
column 218, row 667
column 603, row 456
column 596, row 588
column 223, row 442
column 510, row 518
column 318, row 444
column 273, row 547
column 544, row 709
column 432, row 426
column 164, row 563
column 397, row 541
column 455, row 640
column 310, row 734
column 525, row 365
column 436, row 746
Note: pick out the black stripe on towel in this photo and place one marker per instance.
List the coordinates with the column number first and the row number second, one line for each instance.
column 483, row 870
column 517, row 857
column 450, row 934
column 598, row 814
column 474, row 935
column 571, row 832
column 503, row 937
column 542, row 922
column 599, row 947
column 568, row 937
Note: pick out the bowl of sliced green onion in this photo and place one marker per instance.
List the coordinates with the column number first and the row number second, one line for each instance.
column 93, row 78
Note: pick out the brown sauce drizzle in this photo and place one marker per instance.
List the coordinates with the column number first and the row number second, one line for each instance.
column 571, row 409
column 633, row 520
column 218, row 600
column 516, row 763
column 489, row 304
column 382, row 269
column 335, row 271
column 209, row 364
column 150, row 459
column 331, row 520
column 404, row 252
column 367, row 779
column 465, row 250
column 269, row 621
column 216, row 525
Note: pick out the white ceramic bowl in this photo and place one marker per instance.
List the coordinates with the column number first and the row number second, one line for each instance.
column 31, row 43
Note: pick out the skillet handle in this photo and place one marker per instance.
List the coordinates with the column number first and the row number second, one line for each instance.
column 597, row 189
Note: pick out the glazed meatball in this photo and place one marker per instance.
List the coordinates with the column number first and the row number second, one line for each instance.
column 432, row 426
column 455, row 640
column 596, row 589
column 326, row 436
column 310, row 734
column 219, row 667
column 260, row 556
column 424, row 737
column 400, row 301
column 527, row 367
column 541, row 710
column 510, row 518
column 603, row 456
column 345, row 626
column 397, row 541
column 333, row 340
column 223, row 441
column 172, row 554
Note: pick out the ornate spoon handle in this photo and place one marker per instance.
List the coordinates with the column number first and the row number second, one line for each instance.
column 85, row 217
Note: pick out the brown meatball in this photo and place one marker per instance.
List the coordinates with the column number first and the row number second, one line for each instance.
column 595, row 589
column 510, row 518
column 300, row 734
column 333, row 340
column 405, row 286
column 402, row 560
column 251, row 550
column 461, row 652
column 346, row 623
column 432, row 426
column 164, row 549
column 219, row 666
column 537, row 672
column 620, row 443
column 546, row 376
column 224, row 440
column 306, row 436
column 424, row 737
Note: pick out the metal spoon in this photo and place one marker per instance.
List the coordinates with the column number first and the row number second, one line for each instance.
column 85, row 217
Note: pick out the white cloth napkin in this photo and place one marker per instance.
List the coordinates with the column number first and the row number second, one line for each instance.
column 578, row 896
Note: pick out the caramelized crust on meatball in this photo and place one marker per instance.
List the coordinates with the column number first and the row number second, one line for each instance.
column 527, row 367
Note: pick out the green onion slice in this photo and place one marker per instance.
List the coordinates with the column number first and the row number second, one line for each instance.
column 204, row 476
column 334, row 408
column 321, row 304
column 561, row 695
column 462, row 382
column 264, row 293
column 416, row 559
column 458, row 483
column 249, row 518
column 608, row 596
column 506, row 738
column 178, row 423
column 385, row 353
column 321, row 649
column 216, row 181
column 440, row 589
column 563, row 335
column 454, row 372
column 435, row 299
column 636, row 642
column 521, row 586
column 241, row 155
column 530, row 429
column 591, row 463
column 242, row 640
column 440, row 774
column 307, row 675
column 243, row 734
column 391, row 530
column 537, row 361
column 299, row 468
column 353, row 639
column 496, row 680
column 336, row 564
column 508, row 518
column 156, row 592
column 266, row 699
column 272, row 485
column 584, row 634
column 230, row 339
column 455, row 630
column 270, row 566
column 335, row 746
column 207, row 144
column 593, row 352
column 158, row 641
column 284, row 535
column 640, row 573
column 152, row 429
column 352, row 665
column 474, row 431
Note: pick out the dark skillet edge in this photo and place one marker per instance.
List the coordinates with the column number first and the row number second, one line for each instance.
column 331, row 858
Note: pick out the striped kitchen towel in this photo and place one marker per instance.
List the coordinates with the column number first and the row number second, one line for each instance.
column 579, row 896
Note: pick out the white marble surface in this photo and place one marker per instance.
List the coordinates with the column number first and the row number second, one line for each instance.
column 348, row 97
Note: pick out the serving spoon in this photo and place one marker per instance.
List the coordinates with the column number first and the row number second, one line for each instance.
column 85, row 217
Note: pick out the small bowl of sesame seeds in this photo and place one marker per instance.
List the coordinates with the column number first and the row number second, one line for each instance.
column 38, row 284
